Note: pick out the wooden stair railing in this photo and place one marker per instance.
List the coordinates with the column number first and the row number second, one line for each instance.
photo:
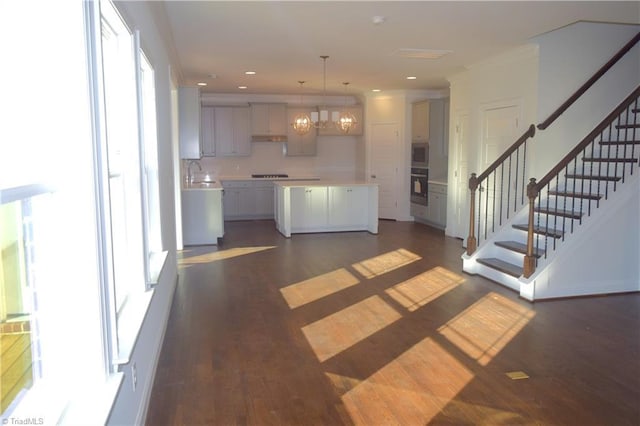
column 595, row 77
column 492, row 183
column 582, row 178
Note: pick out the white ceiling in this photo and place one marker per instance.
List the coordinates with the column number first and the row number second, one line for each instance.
column 282, row 41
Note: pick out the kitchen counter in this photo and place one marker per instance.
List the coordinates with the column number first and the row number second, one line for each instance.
column 276, row 179
column 326, row 206
column 437, row 181
column 323, row 182
column 215, row 185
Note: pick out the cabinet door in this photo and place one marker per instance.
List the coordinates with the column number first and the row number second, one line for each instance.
column 207, row 128
column 420, row 121
column 264, row 200
column 224, row 131
column 269, row 119
column 246, row 202
column 189, row 123
column 230, row 202
column 241, row 132
column 348, row 206
column 308, row 208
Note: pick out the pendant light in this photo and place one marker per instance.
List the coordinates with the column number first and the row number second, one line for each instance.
column 301, row 122
column 345, row 121
column 322, row 121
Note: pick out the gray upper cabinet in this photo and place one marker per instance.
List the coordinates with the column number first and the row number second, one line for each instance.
column 299, row 145
column 189, row 123
column 268, row 119
column 420, row 121
column 207, row 129
column 231, row 131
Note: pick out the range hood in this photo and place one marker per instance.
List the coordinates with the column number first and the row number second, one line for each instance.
column 268, row 138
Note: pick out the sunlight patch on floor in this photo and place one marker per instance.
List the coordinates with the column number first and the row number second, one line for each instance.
column 422, row 289
column 315, row 288
column 385, row 263
column 412, row 389
column 343, row 329
column 484, row 329
column 221, row 255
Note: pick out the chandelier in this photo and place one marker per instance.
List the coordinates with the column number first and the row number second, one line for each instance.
column 322, row 121
column 301, row 122
column 345, row 121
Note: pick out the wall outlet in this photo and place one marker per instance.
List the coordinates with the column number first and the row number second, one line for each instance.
column 134, row 376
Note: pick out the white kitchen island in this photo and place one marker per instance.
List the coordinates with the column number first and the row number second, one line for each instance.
column 325, row 206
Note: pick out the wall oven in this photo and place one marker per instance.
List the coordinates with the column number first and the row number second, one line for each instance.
column 419, row 185
column 419, row 154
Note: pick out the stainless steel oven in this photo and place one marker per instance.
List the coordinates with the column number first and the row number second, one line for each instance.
column 419, row 185
column 420, row 154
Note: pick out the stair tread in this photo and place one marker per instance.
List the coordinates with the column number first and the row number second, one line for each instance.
column 627, row 126
column 593, row 177
column 556, row 233
column 502, row 266
column 518, row 247
column 632, row 142
column 610, row 160
column 575, row 194
column 559, row 212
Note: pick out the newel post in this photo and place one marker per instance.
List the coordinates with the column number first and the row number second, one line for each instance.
column 529, row 266
column 472, row 243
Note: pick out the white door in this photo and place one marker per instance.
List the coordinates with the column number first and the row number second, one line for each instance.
column 500, row 129
column 461, row 174
column 385, row 158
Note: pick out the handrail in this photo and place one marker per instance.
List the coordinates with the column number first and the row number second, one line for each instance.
column 586, row 141
column 562, row 108
column 531, row 131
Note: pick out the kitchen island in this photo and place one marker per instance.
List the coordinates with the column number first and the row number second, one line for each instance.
column 325, row 206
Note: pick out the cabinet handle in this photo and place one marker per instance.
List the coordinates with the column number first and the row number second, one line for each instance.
column 373, row 176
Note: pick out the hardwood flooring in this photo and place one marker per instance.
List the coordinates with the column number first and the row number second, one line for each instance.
column 354, row 328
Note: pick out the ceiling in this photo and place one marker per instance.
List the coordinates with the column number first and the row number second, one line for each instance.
column 216, row 42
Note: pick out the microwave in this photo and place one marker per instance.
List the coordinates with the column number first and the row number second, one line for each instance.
column 419, row 154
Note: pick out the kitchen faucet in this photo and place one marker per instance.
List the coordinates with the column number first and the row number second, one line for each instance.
column 189, row 173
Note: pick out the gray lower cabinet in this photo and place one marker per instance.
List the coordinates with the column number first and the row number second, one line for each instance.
column 247, row 199
column 435, row 212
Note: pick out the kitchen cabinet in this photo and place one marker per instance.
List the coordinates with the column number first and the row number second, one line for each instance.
column 437, row 205
column 332, row 130
column 189, row 123
column 248, row 199
column 202, row 221
column 322, row 207
column 263, row 196
column 439, row 126
column 231, row 131
column 420, row 121
column 309, row 208
column 268, row 119
column 299, row 145
column 207, row 129
column 342, row 200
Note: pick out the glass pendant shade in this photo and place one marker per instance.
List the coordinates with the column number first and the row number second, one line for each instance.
column 301, row 124
column 346, row 122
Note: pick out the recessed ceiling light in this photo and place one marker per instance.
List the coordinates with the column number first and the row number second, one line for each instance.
column 202, row 83
column 375, row 90
column 411, row 77
column 242, row 87
column 250, row 72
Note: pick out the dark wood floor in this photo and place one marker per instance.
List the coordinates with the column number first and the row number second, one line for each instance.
column 354, row 328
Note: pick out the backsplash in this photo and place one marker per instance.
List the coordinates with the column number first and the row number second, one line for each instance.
column 336, row 158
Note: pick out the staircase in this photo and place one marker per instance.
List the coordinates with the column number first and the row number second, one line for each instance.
column 560, row 204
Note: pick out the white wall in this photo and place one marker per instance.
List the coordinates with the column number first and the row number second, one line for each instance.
column 569, row 56
column 130, row 406
column 510, row 77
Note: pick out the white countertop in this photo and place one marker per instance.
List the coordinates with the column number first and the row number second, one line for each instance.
column 437, row 182
column 214, row 185
column 323, row 182
column 248, row 177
